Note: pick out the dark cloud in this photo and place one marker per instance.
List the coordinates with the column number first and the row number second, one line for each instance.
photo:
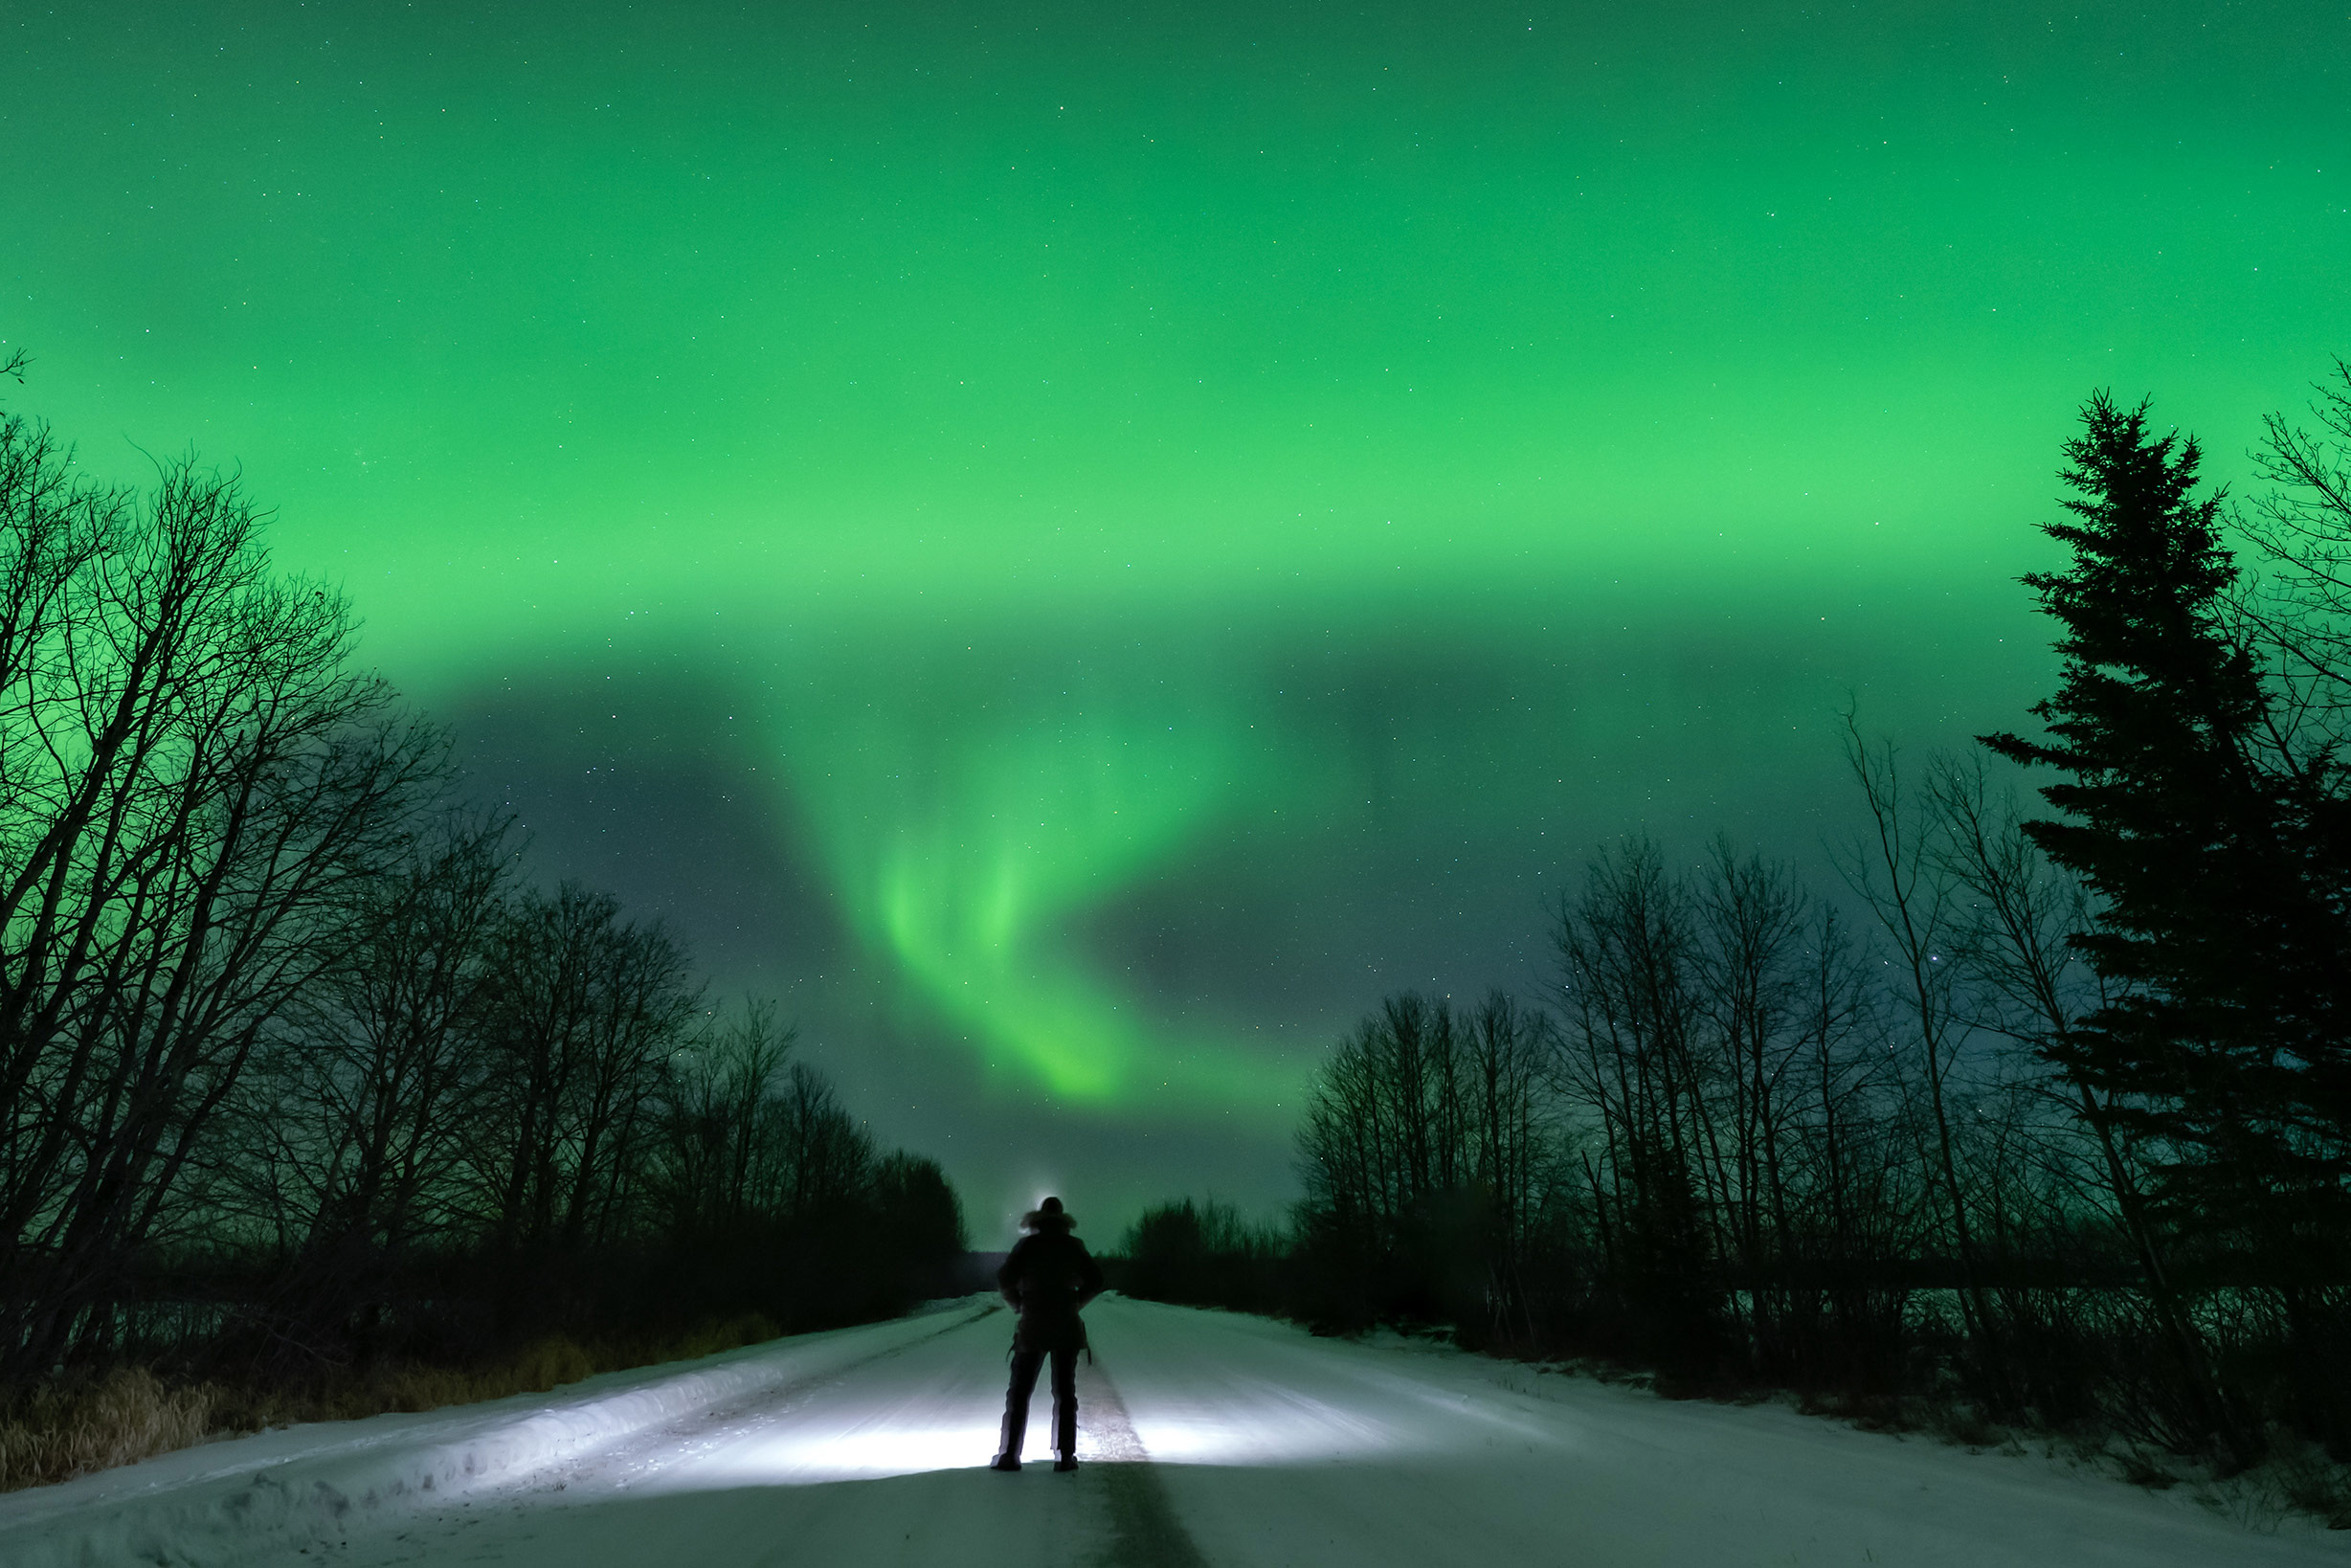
column 1456, row 780
column 652, row 786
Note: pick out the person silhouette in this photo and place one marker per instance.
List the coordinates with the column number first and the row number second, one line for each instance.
column 1049, row 1279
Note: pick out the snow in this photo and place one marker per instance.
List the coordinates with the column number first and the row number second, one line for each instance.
column 225, row 1502
column 1266, row 1446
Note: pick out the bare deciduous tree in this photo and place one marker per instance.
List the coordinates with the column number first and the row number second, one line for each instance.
column 1898, row 869
column 197, row 790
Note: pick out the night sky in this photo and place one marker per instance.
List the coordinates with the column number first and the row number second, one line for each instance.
column 1077, row 545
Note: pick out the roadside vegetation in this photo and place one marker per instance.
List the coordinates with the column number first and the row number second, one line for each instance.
column 2037, row 1123
column 312, row 1101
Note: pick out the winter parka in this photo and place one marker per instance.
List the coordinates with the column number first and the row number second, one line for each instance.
column 1049, row 1279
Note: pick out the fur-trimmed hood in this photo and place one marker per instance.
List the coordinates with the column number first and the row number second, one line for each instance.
column 1048, row 1218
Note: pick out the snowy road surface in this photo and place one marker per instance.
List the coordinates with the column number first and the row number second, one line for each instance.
column 1214, row 1438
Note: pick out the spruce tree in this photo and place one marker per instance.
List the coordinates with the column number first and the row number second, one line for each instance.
column 2212, row 848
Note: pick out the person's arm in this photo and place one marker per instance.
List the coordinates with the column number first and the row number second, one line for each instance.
column 1089, row 1275
column 1008, row 1277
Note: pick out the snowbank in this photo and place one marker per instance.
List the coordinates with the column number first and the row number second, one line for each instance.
column 223, row 1503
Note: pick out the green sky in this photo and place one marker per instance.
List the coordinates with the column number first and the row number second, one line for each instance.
column 1079, row 544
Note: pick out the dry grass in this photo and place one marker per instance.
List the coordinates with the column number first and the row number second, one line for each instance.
column 79, row 1424
column 82, row 1425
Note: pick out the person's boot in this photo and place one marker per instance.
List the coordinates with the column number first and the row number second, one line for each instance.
column 1067, row 1462
column 1004, row 1462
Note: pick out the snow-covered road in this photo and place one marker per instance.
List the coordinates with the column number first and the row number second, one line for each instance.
column 1213, row 1438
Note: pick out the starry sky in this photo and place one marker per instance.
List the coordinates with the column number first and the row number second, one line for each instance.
column 1076, row 545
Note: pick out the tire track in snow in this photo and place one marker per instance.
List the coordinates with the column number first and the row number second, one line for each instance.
column 1144, row 1530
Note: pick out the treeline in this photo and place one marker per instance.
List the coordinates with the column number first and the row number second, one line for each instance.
column 2045, row 1118
column 298, row 1074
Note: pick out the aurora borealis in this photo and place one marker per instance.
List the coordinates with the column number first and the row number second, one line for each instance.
column 1077, row 545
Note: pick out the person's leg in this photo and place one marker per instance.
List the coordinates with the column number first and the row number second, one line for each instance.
column 1065, row 1401
column 1025, row 1366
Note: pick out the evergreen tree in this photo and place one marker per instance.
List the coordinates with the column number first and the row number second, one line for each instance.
column 2215, row 851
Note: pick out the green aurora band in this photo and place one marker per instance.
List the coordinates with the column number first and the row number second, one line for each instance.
column 1238, row 468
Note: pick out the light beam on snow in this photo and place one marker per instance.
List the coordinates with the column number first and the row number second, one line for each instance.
column 866, row 1452
column 1277, row 1428
column 1274, row 1427
column 1272, row 1423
